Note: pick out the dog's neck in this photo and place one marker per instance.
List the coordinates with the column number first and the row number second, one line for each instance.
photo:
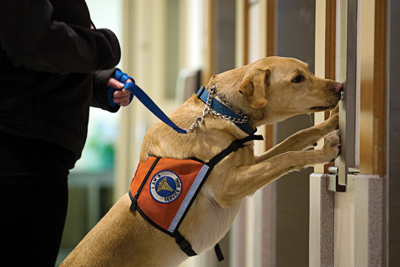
column 224, row 100
column 221, row 109
column 227, row 84
column 238, row 104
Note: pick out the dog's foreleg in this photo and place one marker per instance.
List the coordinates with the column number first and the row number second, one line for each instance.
column 246, row 180
column 303, row 139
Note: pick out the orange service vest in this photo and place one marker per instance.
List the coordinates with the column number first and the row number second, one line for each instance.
column 165, row 187
column 163, row 190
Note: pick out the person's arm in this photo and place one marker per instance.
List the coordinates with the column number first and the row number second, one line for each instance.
column 31, row 39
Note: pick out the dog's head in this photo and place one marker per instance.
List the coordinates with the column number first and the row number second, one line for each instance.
column 275, row 88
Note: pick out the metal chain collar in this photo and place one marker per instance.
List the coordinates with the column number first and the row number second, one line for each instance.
column 208, row 110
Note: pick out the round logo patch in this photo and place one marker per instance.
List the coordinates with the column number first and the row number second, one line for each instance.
column 165, row 186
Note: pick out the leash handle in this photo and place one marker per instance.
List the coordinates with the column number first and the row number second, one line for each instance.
column 121, row 77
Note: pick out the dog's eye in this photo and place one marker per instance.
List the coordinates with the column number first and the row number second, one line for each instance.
column 298, row 79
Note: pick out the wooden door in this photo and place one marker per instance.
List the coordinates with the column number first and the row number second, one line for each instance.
column 348, row 200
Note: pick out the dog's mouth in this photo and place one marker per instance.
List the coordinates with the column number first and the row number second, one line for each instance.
column 328, row 104
column 321, row 108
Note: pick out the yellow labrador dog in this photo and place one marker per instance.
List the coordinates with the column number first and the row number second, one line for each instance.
column 267, row 91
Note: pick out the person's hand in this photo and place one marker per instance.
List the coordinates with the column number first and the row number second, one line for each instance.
column 120, row 96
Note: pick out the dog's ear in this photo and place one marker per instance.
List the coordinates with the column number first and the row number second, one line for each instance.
column 253, row 87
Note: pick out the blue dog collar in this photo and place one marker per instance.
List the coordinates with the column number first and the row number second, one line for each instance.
column 221, row 108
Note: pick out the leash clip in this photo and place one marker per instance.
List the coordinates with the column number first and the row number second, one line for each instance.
column 197, row 121
column 207, row 110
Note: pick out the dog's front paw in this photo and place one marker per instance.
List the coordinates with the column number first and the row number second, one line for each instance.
column 332, row 146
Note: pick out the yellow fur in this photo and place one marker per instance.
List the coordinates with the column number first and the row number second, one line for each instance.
column 265, row 91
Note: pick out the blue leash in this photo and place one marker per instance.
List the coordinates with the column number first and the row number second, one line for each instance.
column 146, row 100
column 143, row 97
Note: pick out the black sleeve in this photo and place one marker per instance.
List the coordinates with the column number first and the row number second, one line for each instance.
column 32, row 39
column 99, row 98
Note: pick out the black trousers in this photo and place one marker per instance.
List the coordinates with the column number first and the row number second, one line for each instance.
column 33, row 200
column 32, row 222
